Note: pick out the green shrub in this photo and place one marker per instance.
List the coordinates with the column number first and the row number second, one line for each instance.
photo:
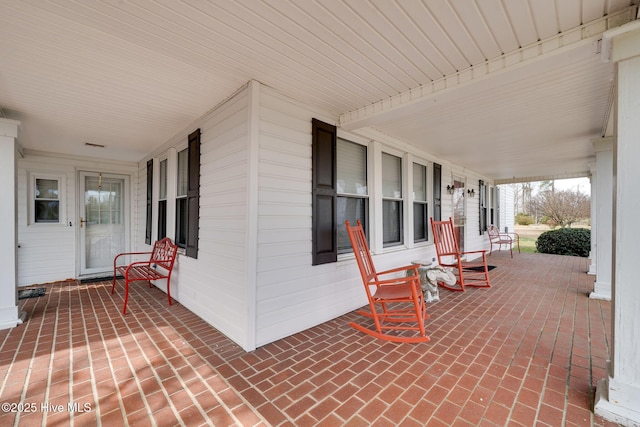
column 524, row 219
column 565, row 241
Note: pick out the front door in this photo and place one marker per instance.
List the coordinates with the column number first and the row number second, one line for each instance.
column 103, row 221
column 459, row 210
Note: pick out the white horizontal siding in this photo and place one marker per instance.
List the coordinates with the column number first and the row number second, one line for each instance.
column 48, row 252
column 214, row 286
column 473, row 239
column 139, row 211
column 507, row 211
column 291, row 293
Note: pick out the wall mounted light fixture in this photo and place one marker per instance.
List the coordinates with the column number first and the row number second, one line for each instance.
column 450, row 189
column 471, row 193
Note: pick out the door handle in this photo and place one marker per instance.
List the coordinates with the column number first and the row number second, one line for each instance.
column 82, row 221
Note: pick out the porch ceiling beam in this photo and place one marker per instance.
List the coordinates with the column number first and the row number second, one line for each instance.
column 519, row 180
column 586, row 36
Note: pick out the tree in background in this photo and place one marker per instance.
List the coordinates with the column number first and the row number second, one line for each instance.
column 525, row 202
column 563, row 208
column 522, row 197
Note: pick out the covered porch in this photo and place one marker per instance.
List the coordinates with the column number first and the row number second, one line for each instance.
column 528, row 351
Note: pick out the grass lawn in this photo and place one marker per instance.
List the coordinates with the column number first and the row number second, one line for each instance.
column 528, row 244
column 528, row 236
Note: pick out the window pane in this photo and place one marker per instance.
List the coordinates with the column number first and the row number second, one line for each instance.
column 391, row 176
column 162, row 219
column 352, row 167
column 163, row 179
column 420, row 222
column 181, row 222
column 183, row 163
column 352, row 209
column 47, row 189
column 392, row 222
column 47, row 210
column 419, row 182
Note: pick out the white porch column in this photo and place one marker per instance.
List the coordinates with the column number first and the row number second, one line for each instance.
column 604, row 218
column 594, row 219
column 618, row 396
column 9, row 316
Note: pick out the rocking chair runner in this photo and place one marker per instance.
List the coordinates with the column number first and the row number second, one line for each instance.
column 396, row 289
column 469, row 273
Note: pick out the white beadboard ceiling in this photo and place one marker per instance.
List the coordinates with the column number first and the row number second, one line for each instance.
column 513, row 89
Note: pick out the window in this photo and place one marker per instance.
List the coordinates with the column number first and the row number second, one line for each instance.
column 420, row 205
column 391, row 200
column 437, row 192
column 181, row 198
column 162, row 201
column 482, row 194
column 352, row 194
column 104, row 201
column 187, row 206
column 46, row 200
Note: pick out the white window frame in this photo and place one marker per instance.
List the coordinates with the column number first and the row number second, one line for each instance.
column 62, row 212
column 425, row 202
column 398, row 197
column 363, row 196
column 178, row 196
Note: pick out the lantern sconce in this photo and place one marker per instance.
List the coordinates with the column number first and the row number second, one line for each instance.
column 471, row 193
column 450, row 189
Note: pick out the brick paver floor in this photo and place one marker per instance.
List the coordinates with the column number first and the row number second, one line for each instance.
column 528, row 351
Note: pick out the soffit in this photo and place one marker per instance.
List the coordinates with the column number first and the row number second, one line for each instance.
column 130, row 74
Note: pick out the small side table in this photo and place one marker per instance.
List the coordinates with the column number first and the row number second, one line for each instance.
column 429, row 290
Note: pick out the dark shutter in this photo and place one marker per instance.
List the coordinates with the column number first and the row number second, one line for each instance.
column 324, row 196
column 437, row 192
column 147, row 234
column 193, row 195
column 483, row 207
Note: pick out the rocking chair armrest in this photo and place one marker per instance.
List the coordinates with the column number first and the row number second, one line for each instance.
column 399, row 269
column 483, row 252
column 395, row 281
column 483, row 255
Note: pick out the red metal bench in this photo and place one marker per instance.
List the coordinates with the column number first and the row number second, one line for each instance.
column 159, row 266
column 499, row 239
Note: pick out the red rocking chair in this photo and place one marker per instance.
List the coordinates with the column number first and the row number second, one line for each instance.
column 386, row 289
column 468, row 272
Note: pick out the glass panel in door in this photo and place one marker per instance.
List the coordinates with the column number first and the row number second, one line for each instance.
column 102, row 226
